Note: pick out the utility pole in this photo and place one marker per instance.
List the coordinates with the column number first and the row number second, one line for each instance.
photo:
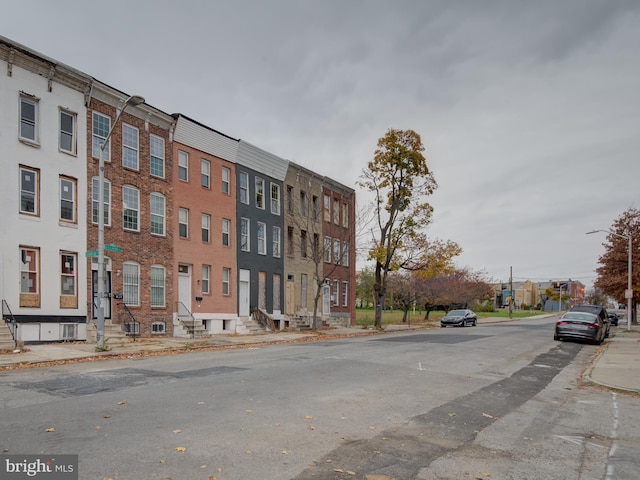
column 511, row 292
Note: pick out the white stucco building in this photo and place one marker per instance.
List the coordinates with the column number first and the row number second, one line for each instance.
column 43, row 195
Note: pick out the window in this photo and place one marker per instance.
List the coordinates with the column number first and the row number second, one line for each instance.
column 345, row 215
column 327, row 249
column 130, row 146
column 206, row 279
column 336, row 211
column 158, row 286
column 275, row 199
column 68, row 199
column 303, row 243
column 183, row 223
column 29, row 271
column 277, row 280
column 345, row 297
column 336, row 250
column 183, row 166
column 336, row 293
column 226, row 281
column 100, row 130
column 316, row 247
column 95, row 201
column 226, row 180
column 68, row 274
column 158, row 213
column 131, row 283
column 276, row 242
column 156, row 150
column 303, row 290
column 303, row 204
column 327, row 208
column 244, row 187
column 262, row 238
column 158, row 327
column 244, row 235
column 289, row 199
column 226, row 229
column 29, row 191
column 130, row 208
column 290, row 241
column 206, row 227
column 67, row 132
column 315, row 206
column 205, row 173
column 345, row 253
column 29, row 119
column 260, row 193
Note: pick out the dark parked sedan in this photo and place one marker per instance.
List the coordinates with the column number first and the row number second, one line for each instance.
column 459, row 318
column 613, row 318
column 581, row 326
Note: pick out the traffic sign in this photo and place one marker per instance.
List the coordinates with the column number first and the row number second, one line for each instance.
column 113, row 247
column 92, row 253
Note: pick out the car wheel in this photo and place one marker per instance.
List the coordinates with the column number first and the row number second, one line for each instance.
column 475, row 322
column 556, row 338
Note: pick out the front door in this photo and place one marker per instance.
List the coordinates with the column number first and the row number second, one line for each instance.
column 243, row 293
column 184, row 290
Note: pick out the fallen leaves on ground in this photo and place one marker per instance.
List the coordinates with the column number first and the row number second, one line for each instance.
column 181, row 449
column 51, row 429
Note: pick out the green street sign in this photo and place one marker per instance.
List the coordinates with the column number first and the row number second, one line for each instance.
column 113, row 248
column 92, row 253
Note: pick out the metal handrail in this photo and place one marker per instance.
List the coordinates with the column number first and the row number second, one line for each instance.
column 182, row 307
column 12, row 324
column 126, row 308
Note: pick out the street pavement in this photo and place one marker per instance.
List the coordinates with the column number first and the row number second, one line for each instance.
column 616, row 365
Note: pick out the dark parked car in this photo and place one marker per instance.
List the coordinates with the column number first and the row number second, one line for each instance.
column 598, row 310
column 459, row 318
column 613, row 319
column 581, row 326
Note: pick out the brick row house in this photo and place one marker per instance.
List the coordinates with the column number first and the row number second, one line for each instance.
column 204, row 233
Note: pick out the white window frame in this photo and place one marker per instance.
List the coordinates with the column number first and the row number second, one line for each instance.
column 100, row 126
column 26, row 194
column 226, row 232
column 336, row 293
column 66, row 134
column 336, row 211
column 205, row 285
column 345, row 253
column 205, row 220
column 226, row 181
column 276, row 241
column 260, row 200
column 158, row 328
column 30, row 275
column 183, row 220
column 158, row 212
column 156, row 154
column 226, row 281
column 326, row 207
column 275, row 199
column 345, row 215
column 183, row 166
column 95, row 201
column 130, row 205
column 345, row 291
column 130, row 147
column 28, row 123
column 336, row 250
column 261, row 232
column 243, row 181
column 68, row 189
column 158, row 285
column 131, row 283
column 245, row 230
column 205, row 173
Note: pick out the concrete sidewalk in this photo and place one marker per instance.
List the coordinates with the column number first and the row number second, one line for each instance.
column 617, row 365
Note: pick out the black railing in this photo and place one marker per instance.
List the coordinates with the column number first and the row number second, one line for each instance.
column 131, row 328
column 10, row 321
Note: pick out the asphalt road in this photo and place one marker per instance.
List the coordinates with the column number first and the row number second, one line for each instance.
column 490, row 402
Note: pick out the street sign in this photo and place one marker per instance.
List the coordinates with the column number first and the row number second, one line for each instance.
column 92, row 253
column 113, row 247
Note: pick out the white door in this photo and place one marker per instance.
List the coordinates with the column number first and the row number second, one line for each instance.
column 243, row 293
column 184, row 289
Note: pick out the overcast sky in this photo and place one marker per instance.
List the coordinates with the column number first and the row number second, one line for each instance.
column 529, row 110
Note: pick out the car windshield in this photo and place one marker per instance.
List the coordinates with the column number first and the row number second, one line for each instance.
column 456, row 313
column 580, row 317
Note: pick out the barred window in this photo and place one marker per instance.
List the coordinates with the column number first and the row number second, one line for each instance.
column 131, row 283
column 158, row 289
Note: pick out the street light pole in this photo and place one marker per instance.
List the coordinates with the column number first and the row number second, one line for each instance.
column 629, row 293
column 133, row 101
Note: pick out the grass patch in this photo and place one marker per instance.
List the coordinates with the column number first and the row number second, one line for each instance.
column 366, row 317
